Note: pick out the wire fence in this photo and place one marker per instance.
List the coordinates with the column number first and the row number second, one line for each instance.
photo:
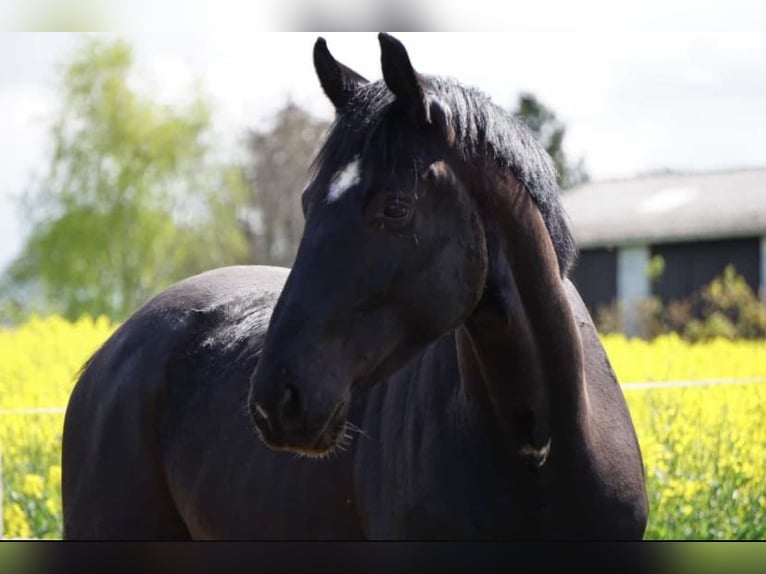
column 633, row 386
column 645, row 385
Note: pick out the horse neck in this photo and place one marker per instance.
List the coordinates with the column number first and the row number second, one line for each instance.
column 521, row 349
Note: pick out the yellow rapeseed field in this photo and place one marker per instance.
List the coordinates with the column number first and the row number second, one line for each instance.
column 704, row 447
column 38, row 364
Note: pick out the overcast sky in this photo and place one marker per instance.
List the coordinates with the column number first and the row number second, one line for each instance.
column 652, row 88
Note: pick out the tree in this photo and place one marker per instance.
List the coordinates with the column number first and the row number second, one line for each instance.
column 550, row 132
column 133, row 199
column 280, row 159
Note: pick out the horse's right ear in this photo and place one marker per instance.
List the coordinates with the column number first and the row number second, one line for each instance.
column 406, row 84
column 337, row 80
column 401, row 78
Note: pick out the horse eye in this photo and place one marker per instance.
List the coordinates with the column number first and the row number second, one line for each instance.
column 396, row 210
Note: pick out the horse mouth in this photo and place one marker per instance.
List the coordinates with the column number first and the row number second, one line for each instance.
column 334, row 441
column 335, row 437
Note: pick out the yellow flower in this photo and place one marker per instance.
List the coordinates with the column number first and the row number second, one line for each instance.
column 16, row 525
column 54, row 476
column 53, row 505
column 700, row 445
column 33, row 486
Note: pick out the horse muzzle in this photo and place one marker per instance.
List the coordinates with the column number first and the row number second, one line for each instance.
column 290, row 420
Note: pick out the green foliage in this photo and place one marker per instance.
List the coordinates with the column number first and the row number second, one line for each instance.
column 133, row 199
column 550, row 132
column 656, row 267
column 727, row 307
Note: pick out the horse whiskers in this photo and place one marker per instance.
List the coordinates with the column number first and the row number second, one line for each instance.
column 343, row 441
column 353, row 428
column 341, row 444
column 314, row 455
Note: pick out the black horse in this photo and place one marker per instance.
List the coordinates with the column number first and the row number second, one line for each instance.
column 426, row 344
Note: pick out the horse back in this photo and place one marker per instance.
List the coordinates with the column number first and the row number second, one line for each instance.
column 113, row 477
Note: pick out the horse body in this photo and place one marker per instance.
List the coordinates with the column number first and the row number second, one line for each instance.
column 431, row 467
column 426, row 344
column 437, row 469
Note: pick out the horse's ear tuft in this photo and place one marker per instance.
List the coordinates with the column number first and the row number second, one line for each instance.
column 338, row 81
column 401, row 78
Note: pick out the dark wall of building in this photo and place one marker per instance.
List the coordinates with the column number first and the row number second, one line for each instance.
column 690, row 266
column 595, row 276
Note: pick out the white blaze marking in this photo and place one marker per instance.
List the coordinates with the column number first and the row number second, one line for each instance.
column 342, row 181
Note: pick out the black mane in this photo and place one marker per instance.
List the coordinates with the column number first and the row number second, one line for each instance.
column 483, row 131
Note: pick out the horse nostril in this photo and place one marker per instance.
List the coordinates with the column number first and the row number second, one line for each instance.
column 290, row 405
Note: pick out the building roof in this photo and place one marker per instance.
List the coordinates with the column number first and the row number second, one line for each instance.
column 668, row 208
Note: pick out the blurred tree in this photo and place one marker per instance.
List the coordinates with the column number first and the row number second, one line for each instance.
column 550, row 132
column 280, row 160
column 133, row 199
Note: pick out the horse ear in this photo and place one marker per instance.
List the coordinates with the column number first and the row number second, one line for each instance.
column 401, row 78
column 338, row 81
column 406, row 84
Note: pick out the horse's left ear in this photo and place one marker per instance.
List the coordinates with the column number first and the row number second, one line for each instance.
column 407, row 85
column 338, row 81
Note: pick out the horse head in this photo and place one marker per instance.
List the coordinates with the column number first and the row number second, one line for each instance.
column 392, row 255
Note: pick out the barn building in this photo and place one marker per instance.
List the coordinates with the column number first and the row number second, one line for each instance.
column 699, row 223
